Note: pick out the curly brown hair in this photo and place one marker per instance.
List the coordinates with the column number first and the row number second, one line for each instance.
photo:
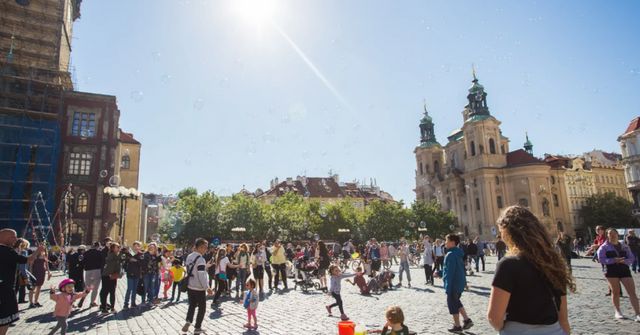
column 528, row 238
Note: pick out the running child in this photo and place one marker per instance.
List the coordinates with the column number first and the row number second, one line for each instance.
column 64, row 300
column 335, row 287
column 251, row 304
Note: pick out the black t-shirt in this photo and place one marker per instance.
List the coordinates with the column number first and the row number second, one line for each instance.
column 10, row 260
column 501, row 246
column 531, row 300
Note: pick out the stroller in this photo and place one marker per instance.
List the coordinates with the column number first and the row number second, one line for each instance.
column 307, row 271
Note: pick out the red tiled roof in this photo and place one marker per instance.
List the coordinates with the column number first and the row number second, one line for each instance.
column 557, row 161
column 521, row 157
column 127, row 138
column 612, row 156
column 633, row 126
column 314, row 187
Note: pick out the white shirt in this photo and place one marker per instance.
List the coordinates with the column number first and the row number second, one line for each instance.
column 222, row 265
column 199, row 280
column 427, row 257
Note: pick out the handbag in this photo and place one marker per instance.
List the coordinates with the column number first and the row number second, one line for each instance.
column 184, row 283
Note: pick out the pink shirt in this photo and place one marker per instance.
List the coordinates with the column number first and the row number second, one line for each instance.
column 64, row 302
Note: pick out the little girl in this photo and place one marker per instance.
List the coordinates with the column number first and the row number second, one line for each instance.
column 64, row 300
column 336, row 277
column 395, row 322
column 251, row 304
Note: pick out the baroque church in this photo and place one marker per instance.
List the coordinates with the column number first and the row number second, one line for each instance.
column 476, row 175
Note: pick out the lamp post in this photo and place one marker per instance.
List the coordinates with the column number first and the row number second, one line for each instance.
column 123, row 194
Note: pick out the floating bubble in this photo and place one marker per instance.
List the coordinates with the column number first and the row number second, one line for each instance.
column 423, row 224
column 165, row 78
column 412, row 224
column 137, row 96
column 635, row 72
column 186, row 217
column 114, row 181
column 174, row 235
column 103, row 173
column 156, row 56
column 452, row 227
column 106, row 224
column 198, row 104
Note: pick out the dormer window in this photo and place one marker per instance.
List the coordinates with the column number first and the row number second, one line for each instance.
column 125, row 163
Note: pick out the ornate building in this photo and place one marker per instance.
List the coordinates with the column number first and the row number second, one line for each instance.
column 630, row 144
column 476, row 176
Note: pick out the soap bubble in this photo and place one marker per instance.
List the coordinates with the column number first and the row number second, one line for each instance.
column 114, row 181
column 452, row 227
column 174, row 235
column 137, row 96
column 186, row 217
column 103, row 173
column 412, row 224
column 106, row 224
column 198, row 104
column 166, row 78
column 423, row 224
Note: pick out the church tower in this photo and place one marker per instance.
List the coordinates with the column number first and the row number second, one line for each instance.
column 528, row 146
column 429, row 159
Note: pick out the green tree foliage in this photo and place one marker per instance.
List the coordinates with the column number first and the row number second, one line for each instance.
column 193, row 216
column 430, row 215
column 609, row 210
column 241, row 211
column 386, row 221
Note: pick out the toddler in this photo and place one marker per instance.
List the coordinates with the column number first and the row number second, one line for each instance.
column 64, row 301
column 360, row 281
column 177, row 272
column 395, row 322
column 251, row 304
column 336, row 277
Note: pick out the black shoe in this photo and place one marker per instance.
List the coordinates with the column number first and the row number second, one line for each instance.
column 455, row 329
column 37, row 304
column 608, row 294
column 467, row 324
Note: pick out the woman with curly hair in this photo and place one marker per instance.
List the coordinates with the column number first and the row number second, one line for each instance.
column 529, row 293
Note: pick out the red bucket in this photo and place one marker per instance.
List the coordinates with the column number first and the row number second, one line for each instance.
column 346, row 327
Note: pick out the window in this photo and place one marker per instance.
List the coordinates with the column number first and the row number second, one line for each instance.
column 436, row 167
column 523, row 202
column 448, row 203
column 126, row 162
column 497, row 180
column 478, row 204
column 464, row 207
column 502, row 149
column 545, row 207
column 473, row 148
column 80, row 164
column 499, row 201
column 553, row 180
column 492, row 146
column 479, row 229
column 556, row 202
column 82, row 203
column 84, row 124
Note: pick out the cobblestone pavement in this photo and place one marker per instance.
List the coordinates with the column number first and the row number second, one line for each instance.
column 294, row 312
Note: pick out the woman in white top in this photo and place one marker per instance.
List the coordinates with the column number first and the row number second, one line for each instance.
column 258, row 260
column 222, row 263
column 427, row 260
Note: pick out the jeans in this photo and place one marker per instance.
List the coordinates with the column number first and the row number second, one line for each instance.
column 636, row 263
column 513, row 328
column 337, row 303
column 241, row 280
column 281, row 271
column 196, row 299
column 62, row 324
column 132, row 287
column 151, row 285
column 108, row 289
column 439, row 262
column 477, row 259
column 176, row 284
column 222, row 284
column 404, row 267
column 428, row 273
column 267, row 269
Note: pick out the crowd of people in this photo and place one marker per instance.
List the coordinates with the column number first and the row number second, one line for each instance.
column 533, row 274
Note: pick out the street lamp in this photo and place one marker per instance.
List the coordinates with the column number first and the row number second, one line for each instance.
column 123, row 194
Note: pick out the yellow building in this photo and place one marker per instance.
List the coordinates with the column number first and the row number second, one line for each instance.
column 128, row 169
column 475, row 175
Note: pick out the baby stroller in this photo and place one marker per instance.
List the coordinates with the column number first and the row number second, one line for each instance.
column 307, row 271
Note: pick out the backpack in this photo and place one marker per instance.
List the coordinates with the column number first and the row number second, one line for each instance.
column 247, row 300
column 184, row 283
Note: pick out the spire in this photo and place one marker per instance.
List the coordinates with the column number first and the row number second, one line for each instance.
column 528, row 146
column 477, row 100
column 427, row 134
column 473, row 71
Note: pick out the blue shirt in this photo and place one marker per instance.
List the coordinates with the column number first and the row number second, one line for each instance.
column 453, row 273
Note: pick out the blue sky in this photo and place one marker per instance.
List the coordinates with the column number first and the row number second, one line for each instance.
column 222, row 96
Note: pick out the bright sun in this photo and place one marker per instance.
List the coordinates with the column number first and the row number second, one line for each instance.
column 256, row 12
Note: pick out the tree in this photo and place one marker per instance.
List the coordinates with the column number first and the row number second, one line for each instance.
column 609, row 210
column 327, row 219
column 386, row 221
column 192, row 217
column 241, row 211
column 430, row 215
column 286, row 218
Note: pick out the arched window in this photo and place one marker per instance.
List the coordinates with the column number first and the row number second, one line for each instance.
column 421, row 168
column 82, row 203
column 545, row 207
column 473, row 148
column 497, row 180
column 492, row 146
column 436, row 167
column 126, row 162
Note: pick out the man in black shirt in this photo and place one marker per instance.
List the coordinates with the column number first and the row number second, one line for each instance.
column 472, row 253
column 501, row 248
column 9, row 261
column 93, row 261
column 76, row 269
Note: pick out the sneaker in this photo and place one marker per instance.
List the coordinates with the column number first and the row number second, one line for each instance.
column 247, row 325
column 104, row 311
column 409, row 285
column 619, row 315
column 344, row 317
column 198, row 331
column 37, row 304
column 328, row 309
column 124, row 307
column 467, row 324
column 93, row 304
column 455, row 329
column 637, row 318
column 186, row 326
column 134, row 305
column 399, row 285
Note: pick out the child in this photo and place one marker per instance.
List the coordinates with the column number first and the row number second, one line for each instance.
column 336, row 276
column 64, row 301
column 251, row 304
column 454, row 277
column 395, row 322
column 177, row 272
column 360, row 281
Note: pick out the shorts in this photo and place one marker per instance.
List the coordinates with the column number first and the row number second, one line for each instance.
column 618, row 271
column 453, row 303
column 258, row 272
column 9, row 307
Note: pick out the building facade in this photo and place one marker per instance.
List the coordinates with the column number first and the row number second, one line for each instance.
column 630, row 145
column 128, row 169
column 475, row 175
